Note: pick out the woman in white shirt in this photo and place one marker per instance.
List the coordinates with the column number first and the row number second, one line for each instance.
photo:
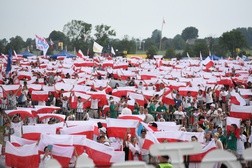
column 179, row 115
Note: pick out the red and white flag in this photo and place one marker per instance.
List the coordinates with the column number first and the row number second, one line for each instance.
column 13, row 88
column 132, row 117
column 17, row 141
column 100, row 153
column 60, row 117
column 33, row 132
column 205, row 149
column 119, row 127
column 23, row 112
column 45, row 109
column 80, row 54
column 149, row 140
column 237, row 99
column 63, row 154
column 208, row 63
column 243, row 112
column 23, row 156
column 39, row 95
column 87, row 130
column 139, row 98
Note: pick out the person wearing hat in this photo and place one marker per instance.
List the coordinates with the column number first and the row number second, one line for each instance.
column 212, row 112
column 218, row 120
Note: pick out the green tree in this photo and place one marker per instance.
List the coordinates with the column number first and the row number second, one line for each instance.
column 16, row 43
column 178, row 42
column 103, row 34
column 170, row 53
column 77, row 29
column 56, row 37
column 29, row 43
column 190, row 33
column 232, row 40
column 155, row 37
column 3, row 44
column 200, row 46
column 151, row 51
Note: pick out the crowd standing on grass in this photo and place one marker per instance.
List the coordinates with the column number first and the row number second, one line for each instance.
column 203, row 108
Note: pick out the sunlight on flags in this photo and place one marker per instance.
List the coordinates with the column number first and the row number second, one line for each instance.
column 97, row 48
column 41, row 44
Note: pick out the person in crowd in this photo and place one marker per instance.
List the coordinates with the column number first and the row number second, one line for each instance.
column 200, row 99
column 144, row 152
column 46, row 156
column 160, row 111
column 134, row 149
column 126, row 110
column 179, row 115
column 231, row 138
column 209, row 96
column 164, row 162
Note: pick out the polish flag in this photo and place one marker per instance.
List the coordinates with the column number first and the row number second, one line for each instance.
column 99, row 153
column 17, row 141
column 100, row 95
column 23, row 74
column 80, row 54
column 61, row 140
column 243, row 112
column 169, row 136
column 84, row 98
column 208, row 63
column 107, row 63
column 120, row 65
column 132, row 117
column 35, row 87
column 13, row 88
column 232, row 120
column 122, row 91
column 23, row 156
column 149, row 140
column 194, row 91
column 63, row 154
column 119, row 127
column 44, row 109
column 237, row 99
column 33, row 132
column 139, row 98
column 205, row 149
column 78, row 143
column 24, row 112
column 60, row 117
column 168, row 99
column 39, row 95
column 87, row 129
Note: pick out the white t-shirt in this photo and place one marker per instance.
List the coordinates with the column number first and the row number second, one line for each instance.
column 179, row 115
column 240, row 144
column 17, row 127
column 126, row 111
column 94, row 103
column 209, row 97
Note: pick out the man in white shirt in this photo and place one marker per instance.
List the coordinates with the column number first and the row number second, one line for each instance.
column 126, row 110
column 93, row 113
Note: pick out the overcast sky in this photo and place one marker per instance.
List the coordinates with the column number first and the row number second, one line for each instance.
column 136, row 18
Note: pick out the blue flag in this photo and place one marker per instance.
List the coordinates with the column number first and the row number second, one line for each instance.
column 9, row 62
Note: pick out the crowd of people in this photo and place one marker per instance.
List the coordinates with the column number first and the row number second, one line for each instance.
column 204, row 112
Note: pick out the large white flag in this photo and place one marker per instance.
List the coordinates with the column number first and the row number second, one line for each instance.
column 41, row 44
column 97, row 48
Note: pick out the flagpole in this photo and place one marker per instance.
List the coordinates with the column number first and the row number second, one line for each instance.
column 160, row 42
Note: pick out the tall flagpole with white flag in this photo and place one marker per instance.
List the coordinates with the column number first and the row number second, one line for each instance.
column 160, row 42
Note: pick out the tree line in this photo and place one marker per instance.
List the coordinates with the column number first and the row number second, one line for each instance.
column 76, row 35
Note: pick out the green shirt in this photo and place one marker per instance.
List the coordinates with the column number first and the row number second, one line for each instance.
column 113, row 113
column 223, row 140
column 152, row 110
column 165, row 165
column 135, row 110
column 161, row 109
column 232, row 142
